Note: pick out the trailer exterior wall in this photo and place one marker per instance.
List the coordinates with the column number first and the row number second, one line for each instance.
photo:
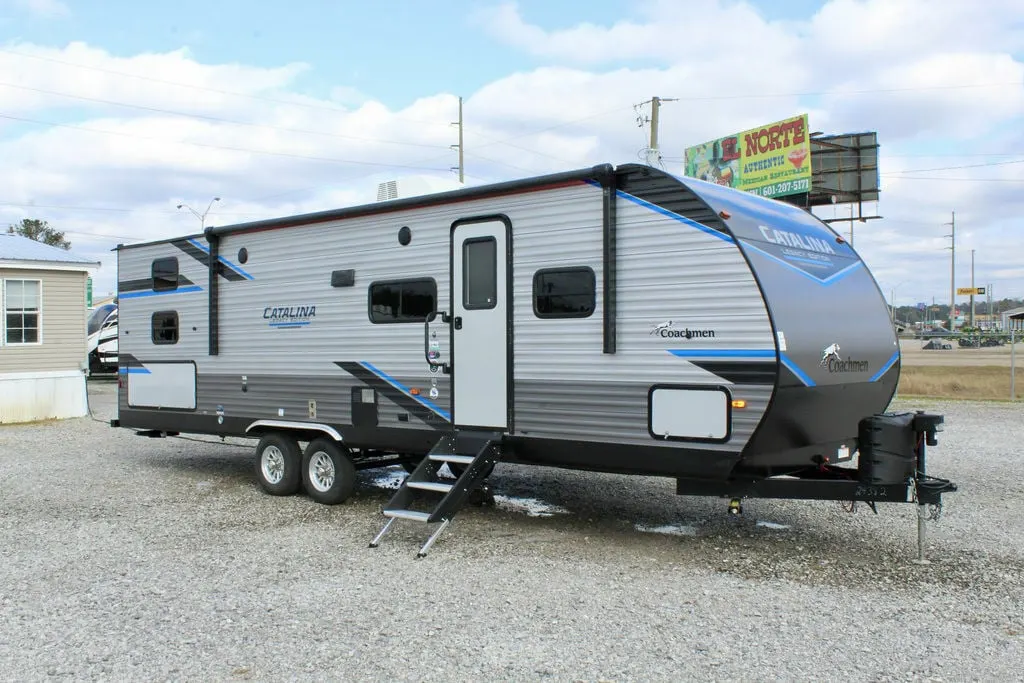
column 568, row 394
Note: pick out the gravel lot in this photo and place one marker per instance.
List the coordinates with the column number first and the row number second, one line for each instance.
column 125, row 558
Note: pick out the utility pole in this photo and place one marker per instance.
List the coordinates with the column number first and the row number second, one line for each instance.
column 461, row 167
column 952, row 274
column 653, row 157
column 972, row 288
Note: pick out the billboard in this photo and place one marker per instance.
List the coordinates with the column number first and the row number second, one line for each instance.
column 773, row 160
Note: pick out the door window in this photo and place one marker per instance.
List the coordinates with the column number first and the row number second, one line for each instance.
column 480, row 273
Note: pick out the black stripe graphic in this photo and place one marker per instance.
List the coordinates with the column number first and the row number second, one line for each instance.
column 204, row 258
column 739, row 372
column 127, row 360
column 407, row 403
column 144, row 284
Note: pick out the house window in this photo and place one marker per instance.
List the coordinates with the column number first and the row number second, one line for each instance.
column 480, row 273
column 564, row 292
column 165, row 327
column 23, row 305
column 165, row 274
column 402, row 301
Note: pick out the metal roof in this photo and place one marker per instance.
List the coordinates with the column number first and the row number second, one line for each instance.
column 18, row 248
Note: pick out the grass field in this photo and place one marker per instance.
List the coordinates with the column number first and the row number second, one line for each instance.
column 973, row 382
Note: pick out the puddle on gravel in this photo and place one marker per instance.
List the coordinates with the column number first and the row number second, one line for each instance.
column 531, row 506
column 669, row 529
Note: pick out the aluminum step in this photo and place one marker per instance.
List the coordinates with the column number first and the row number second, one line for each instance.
column 414, row 515
column 461, row 459
column 440, row 487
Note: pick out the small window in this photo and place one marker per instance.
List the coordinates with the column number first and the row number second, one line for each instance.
column 480, row 273
column 165, row 327
column 165, row 274
column 23, row 303
column 402, row 301
column 564, row 292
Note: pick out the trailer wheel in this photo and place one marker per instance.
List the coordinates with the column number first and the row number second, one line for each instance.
column 278, row 461
column 327, row 472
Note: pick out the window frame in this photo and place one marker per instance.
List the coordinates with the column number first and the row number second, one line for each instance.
column 465, row 289
column 153, row 328
column 153, row 277
column 393, row 282
column 564, row 269
column 39, row 313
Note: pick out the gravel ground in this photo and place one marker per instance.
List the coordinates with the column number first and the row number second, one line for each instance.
column 125, row 558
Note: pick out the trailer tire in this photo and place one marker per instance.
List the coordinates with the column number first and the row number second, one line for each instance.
column 278, row 464
column 328, row 474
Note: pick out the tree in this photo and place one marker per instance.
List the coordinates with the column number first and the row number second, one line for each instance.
column 40, row 231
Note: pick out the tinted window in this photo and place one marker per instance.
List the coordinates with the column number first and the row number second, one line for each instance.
column 98, row 316
column 165, row 327
column 480, row 273
column 563, row 292
column 402, row 301
column 165, row 274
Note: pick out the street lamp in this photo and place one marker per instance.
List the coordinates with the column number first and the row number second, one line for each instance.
column 200, row 216
column 892, row 300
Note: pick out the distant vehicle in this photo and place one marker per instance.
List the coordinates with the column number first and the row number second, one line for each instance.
column 101, row 329
column 938, row 345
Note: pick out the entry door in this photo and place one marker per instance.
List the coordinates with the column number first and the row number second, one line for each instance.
column 480, row 323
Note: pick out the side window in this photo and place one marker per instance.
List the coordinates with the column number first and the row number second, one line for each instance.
column 480, row 273
column 165, row 274
column 165, row 327
column 564, row 292
column 23, row 305
column 402, row 301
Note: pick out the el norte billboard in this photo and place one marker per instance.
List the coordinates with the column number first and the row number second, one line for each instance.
column 773, row 160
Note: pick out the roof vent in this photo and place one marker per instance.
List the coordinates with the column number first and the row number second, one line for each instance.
column 388, row 190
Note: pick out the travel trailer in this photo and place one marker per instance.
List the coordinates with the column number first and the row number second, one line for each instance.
column 101, row 345
column 620, row 320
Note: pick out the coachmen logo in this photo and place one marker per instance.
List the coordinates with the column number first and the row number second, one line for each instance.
column 831, row 360
column 289, row 316
column 667, row 331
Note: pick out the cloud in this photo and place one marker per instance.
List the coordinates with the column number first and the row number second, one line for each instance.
column 50, row 9
column 195, row 130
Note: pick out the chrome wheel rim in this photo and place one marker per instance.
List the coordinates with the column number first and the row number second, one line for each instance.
column 321, row 472
column 272, row 464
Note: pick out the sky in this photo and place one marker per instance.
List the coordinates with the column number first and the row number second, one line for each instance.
column 113, row 113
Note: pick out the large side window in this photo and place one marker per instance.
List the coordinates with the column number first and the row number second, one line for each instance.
column 480, row 273
column 23, row 309
column 165, row 274
column 564, row 292
column 165, row 327
column 402, row 301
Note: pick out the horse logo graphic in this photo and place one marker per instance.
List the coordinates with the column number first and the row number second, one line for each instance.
column 830, row 353
column 667, row 325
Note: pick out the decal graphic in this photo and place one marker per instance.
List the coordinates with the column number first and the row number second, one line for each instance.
column 667, row 331
column 830, row 352
column 290, row 316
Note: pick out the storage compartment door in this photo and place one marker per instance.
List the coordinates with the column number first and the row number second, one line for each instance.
column 690, row 413
column 162, row 385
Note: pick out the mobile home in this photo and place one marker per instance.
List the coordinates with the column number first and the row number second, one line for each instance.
column 618, row 319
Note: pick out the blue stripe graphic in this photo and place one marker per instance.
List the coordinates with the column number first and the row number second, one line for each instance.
column 885, row 368
column 150, row 292
column 723, row 353
column 795, row 369
column 675, row 216
column 405, row 390
column 238, row 269
column 133, row 371
column 285, row 325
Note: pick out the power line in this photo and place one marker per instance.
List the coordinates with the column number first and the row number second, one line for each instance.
column 222, row 147
column 949, row 168
column 871, row 91
column 964, row 180
column 216, row 119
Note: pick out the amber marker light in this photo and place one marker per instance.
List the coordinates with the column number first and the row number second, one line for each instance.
column 739, row 403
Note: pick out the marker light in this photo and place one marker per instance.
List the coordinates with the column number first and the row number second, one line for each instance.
column 739, row 403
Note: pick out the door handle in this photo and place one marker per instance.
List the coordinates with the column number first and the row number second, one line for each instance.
column 457, row 322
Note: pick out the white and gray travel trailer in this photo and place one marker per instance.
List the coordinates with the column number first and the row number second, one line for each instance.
column 101, row 339
column 614, row 319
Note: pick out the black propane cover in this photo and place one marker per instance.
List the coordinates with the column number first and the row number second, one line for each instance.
column 887, row 444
